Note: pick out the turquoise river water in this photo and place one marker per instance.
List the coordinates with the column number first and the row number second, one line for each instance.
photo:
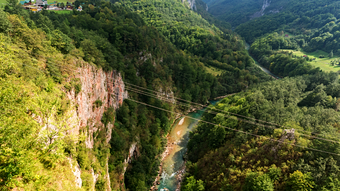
column 174, row 163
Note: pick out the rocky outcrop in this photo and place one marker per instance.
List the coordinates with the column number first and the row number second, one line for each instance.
column 192, row 4
column 100, row 90
column 133, row 151
column 76, row 171
column 96, row 85
column 286, row 134
column 166, row 95
column 266, row 3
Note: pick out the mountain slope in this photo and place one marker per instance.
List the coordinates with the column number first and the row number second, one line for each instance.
column 57, row 67
column 238, row 154
column 189, row 32
column 238, row 12
column 74, row 66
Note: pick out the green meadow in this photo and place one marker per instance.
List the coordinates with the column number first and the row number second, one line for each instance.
column 214, row 71
column 323, row 63
column 63, row 12
column 3, row 2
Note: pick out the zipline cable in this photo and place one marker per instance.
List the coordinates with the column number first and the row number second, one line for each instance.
column 230, row 117
column 236, row 129
column 311, row 136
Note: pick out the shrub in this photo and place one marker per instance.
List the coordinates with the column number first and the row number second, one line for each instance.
column 98, row 103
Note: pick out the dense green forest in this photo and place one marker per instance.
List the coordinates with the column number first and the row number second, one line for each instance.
column 300, row 17
column 40, row 52
column 296, row 17
column 227, row 160
column 221, row 49
column 242, row 152
column 165, row 45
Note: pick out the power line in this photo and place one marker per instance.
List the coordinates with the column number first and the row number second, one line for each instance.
column 213, row 112
column 236, row 129
column 240, row 119
column 237, row 114
column 221, row 110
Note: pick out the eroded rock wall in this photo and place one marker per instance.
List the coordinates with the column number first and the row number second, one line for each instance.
column 106, row 88
column 96, row 85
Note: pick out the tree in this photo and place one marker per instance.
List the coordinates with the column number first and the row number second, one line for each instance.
column 216, row 136
column 330, row 55
column 300, row 182
column 13, row 7
column 256, row 182
column 4, row 22
column 76, row 4
column 61, row 41
column 92, row 54
column 193, row 184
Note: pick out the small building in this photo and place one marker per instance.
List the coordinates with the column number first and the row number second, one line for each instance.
column 25, row 2
column 41, row 3
column 80, row 8
column 304, row 56
column 286, row 35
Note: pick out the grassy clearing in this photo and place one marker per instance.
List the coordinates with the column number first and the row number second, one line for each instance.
column 3, row 3
column 214, row 71
column 59, row 1
column 323, row 63
column 63, row 12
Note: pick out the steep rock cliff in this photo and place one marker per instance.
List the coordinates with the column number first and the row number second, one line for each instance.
column 100, row 90
column 192, row 4
column 96, row 85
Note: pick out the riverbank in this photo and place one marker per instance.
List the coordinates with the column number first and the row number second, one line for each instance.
column 247, row 46
column 172, row 167
column 165, row 153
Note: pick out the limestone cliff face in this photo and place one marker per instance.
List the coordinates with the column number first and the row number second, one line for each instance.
column 192, row 4
column 265, row 6
column 97, row 85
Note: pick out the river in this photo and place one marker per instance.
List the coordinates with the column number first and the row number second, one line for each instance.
column 259, row 65
column 173, row 163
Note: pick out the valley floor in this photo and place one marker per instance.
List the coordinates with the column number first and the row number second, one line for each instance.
column 323, row 63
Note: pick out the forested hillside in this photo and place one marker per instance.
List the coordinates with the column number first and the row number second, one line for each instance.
column 271, row 135
column 295, row 17
column 276, row 158
column 189, row 32
column 161, row 46
column 238, row 12
column 283, row 134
